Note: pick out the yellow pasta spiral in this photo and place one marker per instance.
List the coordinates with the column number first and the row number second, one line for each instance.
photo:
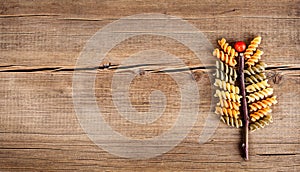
column 255, row 58
column 260, row 114
column 234, row 122
column 229, row 104
column 261, row 123
column 262, row 104
column 255, row 78
column 227, row 112
column 252, row 47
column 227, row 48
column 227, row 96
column 257, row 86
column 259, row 95
column 227, row 86
column 224, row 57
column 258, row 68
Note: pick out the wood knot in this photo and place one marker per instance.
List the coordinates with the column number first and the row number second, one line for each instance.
column 197, row 75
column 106, row 65
column 277, row 78
column 141, row 72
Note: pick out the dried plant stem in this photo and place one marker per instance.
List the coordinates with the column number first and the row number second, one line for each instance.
column 244, row 106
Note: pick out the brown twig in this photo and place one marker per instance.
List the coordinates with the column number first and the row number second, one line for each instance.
column 244, row 106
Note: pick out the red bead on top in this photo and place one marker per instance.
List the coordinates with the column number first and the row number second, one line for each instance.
column 240, row 46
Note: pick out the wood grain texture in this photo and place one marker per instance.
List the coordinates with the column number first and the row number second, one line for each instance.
column 40, row 43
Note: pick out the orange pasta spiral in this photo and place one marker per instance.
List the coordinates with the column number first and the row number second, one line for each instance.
column 255, row 58
column 252, row 47
column 260, row 114
column 262, row 104
column 229, row 104
column 224, row 57
column 227, row 48
column 227, row 112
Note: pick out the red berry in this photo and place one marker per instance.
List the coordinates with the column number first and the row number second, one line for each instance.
column 240, row 46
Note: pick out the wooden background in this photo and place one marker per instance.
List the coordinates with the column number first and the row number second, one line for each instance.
column 41, row 41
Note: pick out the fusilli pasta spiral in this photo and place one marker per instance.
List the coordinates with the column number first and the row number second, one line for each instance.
column 227, row 112
column 259, row 95
column 227, row 96
column 261, row 123
column 260, row 114
column 224, row 77
column 258, row 68
column 255, row 78
column 252, row 47
column 234, row 122
column 257, row 86
column 224, row 57
column 227, row 48
column 226, row 69
column 262, row 104
column 254, row 59
column 227, row 86
column 228, row 104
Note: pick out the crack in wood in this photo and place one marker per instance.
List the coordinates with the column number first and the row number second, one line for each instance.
column 115, row 67
column 86, row 19
column 30, row 148
column 28, row 15
column 31, row 69
column 186, row 18
column 278, row 154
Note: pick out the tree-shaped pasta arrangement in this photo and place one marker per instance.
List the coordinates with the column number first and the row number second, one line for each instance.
column 245, row 97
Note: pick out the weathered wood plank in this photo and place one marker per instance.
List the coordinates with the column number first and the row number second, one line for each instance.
column 41, row 125
column 190, row 9
column 60, row 42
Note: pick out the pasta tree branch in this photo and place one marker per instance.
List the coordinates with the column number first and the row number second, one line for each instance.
column 240, row 47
